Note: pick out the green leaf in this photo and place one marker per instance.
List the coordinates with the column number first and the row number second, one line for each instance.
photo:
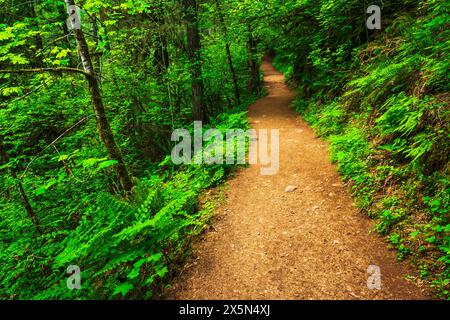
column 40, row 190
column 108, row 163
column 123, row 289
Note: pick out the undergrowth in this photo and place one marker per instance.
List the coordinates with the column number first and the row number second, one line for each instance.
column 387, row 120
column 125, row 249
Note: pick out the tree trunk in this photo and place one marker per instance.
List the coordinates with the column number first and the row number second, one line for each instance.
column 233, row 74
column 229, row 57
column 254, row 84
column 23, row 196
column 97, row 54
column 26, row 204
column 103, row 126
column 193, row 51
column 161, row 58
column 62, row 14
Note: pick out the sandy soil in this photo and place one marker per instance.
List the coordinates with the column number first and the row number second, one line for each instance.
column 311, row 243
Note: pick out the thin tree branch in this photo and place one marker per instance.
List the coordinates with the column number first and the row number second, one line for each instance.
column 53, row 142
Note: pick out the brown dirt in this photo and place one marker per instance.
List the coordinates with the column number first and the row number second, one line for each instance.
column 308, row 244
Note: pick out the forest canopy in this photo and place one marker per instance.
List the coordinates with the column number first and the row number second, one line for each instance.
column 87, row 113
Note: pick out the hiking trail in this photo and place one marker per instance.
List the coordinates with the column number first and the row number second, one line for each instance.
column 311, row 243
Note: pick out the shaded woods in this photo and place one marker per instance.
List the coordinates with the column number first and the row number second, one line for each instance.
column 86, row 117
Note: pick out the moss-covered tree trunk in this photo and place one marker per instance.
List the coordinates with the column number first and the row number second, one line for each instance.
column 103, row 126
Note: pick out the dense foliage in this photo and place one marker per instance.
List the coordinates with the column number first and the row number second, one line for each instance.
column 86, row 119
column 381, row 99
column 61, row 203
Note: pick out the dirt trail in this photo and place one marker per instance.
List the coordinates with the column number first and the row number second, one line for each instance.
column 308, row 244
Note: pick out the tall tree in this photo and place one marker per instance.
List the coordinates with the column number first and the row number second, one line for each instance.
column 4, row 159
column 193, row 51
column 254, row 82
column 161, row 55
column 229, row 57
column 97, row 54
column 103, row 125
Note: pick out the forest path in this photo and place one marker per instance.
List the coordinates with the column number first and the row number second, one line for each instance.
column 307, row 244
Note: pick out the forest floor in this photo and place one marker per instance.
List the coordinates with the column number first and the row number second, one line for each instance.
column 311, row 243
